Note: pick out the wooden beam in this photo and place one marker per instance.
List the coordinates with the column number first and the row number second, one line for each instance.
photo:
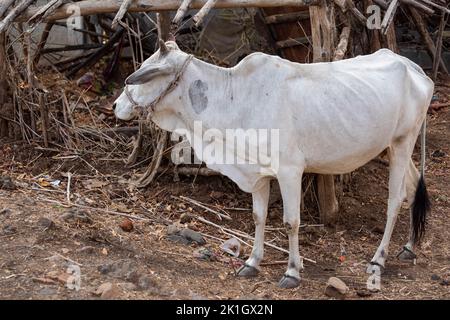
column 200, row 16
column 90, row 7
column 181, row 11
column 126, row 4
column 287, row 17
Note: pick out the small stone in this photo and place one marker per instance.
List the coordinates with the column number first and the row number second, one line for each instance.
column 129, row 286
column 9, row 229
column 172, row 229
column 192, row 236
column 5, row 211
column 7, row 183
column 186, row 218
column 47, row 291
column 435, row 277
column 336, row 288
column 126, row 225
column 46, row 223
column 108, row 290
column 363, row 293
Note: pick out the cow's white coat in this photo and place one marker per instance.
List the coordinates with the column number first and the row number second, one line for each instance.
column 332, row 118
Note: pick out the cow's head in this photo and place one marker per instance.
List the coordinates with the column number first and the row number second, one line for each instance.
column 152, row 78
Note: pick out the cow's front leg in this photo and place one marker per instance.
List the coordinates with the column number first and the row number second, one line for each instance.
column 260, row 204
column 290, row 186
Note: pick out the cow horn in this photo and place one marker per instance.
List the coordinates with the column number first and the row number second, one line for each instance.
column 162, row 47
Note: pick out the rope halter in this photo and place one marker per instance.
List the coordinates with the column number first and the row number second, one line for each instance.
column 149, row 108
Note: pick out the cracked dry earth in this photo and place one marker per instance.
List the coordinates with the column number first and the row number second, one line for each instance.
column 40, row 237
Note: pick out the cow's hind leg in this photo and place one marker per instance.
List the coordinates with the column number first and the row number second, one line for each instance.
column 290, row 185
column 260, row 204
column 399, row 154
column 419, row 207
column 412, row 179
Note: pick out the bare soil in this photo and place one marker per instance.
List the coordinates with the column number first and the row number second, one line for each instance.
column 39, row 239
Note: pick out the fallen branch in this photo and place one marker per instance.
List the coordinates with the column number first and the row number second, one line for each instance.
column 198, row 204
column 45, row 11
column 244, row 235
column 431, row 3
column 419, row 6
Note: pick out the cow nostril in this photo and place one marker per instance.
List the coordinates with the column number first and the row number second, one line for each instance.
column 114, row 107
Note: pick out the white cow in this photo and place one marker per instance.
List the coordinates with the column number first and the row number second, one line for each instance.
column 332, row 119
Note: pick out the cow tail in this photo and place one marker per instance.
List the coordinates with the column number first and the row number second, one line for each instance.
column 421, row 205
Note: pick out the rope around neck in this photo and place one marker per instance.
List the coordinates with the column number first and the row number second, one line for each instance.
column 149, row 109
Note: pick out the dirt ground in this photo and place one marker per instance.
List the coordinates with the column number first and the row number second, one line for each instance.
column 42, row 234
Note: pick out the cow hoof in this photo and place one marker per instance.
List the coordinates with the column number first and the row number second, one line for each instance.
column 247, row 271
column 406, row 255
column 288, row 282
column 375, row 268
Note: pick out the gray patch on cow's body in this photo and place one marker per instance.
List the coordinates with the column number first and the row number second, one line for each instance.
column 197, row 95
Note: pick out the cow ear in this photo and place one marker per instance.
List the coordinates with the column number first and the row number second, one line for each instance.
column 147, row 73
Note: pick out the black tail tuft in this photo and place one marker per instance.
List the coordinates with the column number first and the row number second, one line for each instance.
column 420, row 209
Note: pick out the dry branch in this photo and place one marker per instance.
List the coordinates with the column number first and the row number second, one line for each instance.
column 419, row 6
column 431, row 3
column 122, row 11
column 200, row 16
column 181, row 12
column 13, row 14
column 341, row 48
column 4, row 6
column 46, row 10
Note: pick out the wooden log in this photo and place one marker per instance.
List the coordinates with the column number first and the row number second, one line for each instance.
column 13, row 14
column 163, row 20
column 429, row 45
column 389, row 16
column 91, row 7
column 341, row 48
column 126, row 4
column 4, row 6
column 286, row 17
column 419, row 6
column 181, row 12
column 200, row 16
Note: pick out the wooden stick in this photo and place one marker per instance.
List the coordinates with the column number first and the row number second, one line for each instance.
column 437, row 54
column 48, row 27
column 4, row 6
column 13, row 14
column 69, row 179
column 198, row 204
column 198, row 18
column 181, row 12
column 126, row 4
column 75, row 47
column 244, row 235
column 389, row 16
column 421, row 27
column 97, row 55
column 287, row 17
column 91, row 7
column 418, row 5
column 45, row 11
column 431, row 3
